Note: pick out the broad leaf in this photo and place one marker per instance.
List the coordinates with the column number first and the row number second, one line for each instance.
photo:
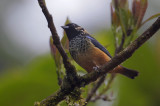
column 55, row 53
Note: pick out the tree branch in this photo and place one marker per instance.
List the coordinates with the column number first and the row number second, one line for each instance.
column 119, row 58
column 72, row 76
column 75, row 81
column 94, row 89
column 123, row 55
column 55, row 36
column 108, row 85
column 102, row 97
column 101, row 80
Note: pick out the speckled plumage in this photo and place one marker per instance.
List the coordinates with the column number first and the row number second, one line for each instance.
column 79, row 45
column 88, row 52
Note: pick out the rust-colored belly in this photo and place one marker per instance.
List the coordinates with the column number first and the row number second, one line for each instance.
column 91, row 58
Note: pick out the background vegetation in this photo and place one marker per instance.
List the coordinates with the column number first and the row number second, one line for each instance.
column 24, row 82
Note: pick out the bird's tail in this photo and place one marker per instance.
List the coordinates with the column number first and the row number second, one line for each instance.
column 125, row 71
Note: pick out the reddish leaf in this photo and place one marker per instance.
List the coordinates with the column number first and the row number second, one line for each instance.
column 55, row 53
column 114, row 17
column 123, row 3
column 115, row 3
column 120, row 3
column 136, row 9
column 53, row 47
column 139, row 8
column 112, row 12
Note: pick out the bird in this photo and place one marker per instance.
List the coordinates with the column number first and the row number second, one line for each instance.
column 89, row 53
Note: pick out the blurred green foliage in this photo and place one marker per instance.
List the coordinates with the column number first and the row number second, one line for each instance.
column 144, row 90
column 22, row 86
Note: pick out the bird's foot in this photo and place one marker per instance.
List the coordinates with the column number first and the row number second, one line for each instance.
column 96, row 68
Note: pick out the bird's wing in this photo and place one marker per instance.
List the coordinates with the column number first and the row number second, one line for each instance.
column 98, row 45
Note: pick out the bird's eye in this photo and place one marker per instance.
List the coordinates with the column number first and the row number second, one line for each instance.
column 82, row 29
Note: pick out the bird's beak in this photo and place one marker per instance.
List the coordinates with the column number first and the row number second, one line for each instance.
column 65, row 27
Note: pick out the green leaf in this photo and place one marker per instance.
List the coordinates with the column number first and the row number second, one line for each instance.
column 124, row 4
column 24, row 85
column 142, row 11
column 55, row 53
column 123, row 19
column 64, row 40
column 144, row 89
column 150, row 18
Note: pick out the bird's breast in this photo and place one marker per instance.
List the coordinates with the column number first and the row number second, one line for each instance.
column 86, row 54
column 79, row 45
column 92, row 57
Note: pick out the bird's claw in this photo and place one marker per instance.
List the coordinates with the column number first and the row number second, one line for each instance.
column 96, row 68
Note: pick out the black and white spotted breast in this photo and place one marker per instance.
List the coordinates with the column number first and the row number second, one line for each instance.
column 79, row 45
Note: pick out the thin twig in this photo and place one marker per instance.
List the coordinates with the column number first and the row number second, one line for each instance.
column 115, row 37
column 123, row 55
column 102, row 79
column 101, row 94
column 120, row 47
column 118, row 59
column 108, row 85
column 103, row 97
column 70, row 69
column 72, row 76
column 55, row 36
column 94, row 89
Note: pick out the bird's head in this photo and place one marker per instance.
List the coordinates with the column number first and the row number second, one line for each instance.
column 72, row 30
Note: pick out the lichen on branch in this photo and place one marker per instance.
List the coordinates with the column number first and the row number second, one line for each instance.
column 72, row 81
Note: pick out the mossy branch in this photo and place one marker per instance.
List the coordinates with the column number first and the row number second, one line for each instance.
column 71, row 81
